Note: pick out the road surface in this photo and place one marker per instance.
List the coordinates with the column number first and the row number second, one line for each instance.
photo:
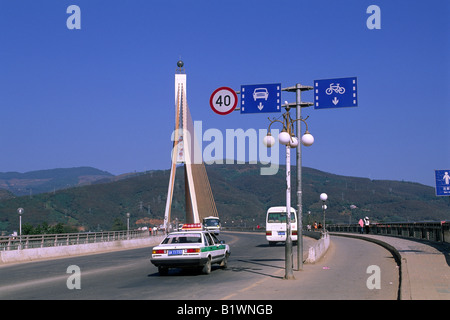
column 255, row 271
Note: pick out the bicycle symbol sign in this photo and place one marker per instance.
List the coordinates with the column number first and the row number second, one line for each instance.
column 336, row 88
column 335, row 93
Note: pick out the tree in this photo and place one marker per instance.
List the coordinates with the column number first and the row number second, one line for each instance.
column 27, row 229
column 118, row 225
column 58, row 228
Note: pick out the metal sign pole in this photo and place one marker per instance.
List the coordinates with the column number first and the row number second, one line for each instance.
column 299, row 183
column 298, row 88
column 289, row 275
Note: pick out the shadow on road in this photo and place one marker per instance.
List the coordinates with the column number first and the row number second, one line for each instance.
column 259, row 271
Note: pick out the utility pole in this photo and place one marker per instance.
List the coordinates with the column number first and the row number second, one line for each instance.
column 298, row 88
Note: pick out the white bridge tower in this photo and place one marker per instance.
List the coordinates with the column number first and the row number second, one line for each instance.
column 186, row 151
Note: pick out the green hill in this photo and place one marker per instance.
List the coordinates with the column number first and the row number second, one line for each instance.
column 40, row 181
column 242, row 197
column 5, row 194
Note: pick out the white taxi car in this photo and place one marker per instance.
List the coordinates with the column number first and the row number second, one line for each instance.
column 191, row 247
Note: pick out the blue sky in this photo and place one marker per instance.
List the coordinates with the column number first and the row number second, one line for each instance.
column 102, row 96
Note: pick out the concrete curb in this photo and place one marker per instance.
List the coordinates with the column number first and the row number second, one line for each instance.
column 35, row 254
column 319, row 249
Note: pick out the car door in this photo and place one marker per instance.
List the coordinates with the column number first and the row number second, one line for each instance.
column 214, row 248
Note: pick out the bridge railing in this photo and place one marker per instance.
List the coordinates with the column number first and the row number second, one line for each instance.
column 433, row 231
column 65, row 239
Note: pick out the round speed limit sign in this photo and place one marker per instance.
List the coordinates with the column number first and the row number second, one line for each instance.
column 223, row 100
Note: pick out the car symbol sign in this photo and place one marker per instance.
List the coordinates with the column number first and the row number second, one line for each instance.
column 261, row 98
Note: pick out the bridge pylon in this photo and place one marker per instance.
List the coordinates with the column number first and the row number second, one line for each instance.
column 186, row 151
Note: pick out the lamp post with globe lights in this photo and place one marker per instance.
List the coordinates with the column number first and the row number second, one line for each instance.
column 288, row 138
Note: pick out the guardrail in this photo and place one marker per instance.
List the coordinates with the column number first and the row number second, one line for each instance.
column 66, row 239
column 433, row 231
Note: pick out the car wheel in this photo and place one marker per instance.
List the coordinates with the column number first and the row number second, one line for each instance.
column 207, row 266
column 224, row 263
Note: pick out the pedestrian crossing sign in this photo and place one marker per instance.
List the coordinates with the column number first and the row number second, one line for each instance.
column 442, row 182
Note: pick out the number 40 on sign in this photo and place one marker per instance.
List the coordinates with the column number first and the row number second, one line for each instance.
column 223, row 100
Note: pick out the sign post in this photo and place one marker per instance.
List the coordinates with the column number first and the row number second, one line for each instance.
column 263, row 98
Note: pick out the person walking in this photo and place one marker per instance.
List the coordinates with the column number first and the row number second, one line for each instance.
column 366, row 224
column 361, row 224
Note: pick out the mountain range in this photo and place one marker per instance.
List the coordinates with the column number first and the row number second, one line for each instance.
column 40, row 181
column 91, row 199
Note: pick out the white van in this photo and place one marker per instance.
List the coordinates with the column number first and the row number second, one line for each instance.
column 276, row 225
column 212, row 224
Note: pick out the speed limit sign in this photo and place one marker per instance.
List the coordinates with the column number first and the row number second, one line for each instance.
column 223, row 100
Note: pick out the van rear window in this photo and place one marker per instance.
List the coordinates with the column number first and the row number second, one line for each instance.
column 279, row 217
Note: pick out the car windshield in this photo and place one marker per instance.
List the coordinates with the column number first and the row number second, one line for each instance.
column 182, row 238
column 212, row 222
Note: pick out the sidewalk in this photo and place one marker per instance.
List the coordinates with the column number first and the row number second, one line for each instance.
column 425, row 266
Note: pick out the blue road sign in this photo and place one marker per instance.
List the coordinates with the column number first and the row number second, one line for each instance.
column 335, row 93
column 261, row 98
column 442, row 182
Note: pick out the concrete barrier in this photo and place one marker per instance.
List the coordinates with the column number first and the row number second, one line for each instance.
column 27, row 255
column 320, row 247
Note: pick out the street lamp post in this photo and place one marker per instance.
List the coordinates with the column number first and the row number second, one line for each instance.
column 324, row 197
column 128, row 225
column 20, row 212
column 287, row 138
